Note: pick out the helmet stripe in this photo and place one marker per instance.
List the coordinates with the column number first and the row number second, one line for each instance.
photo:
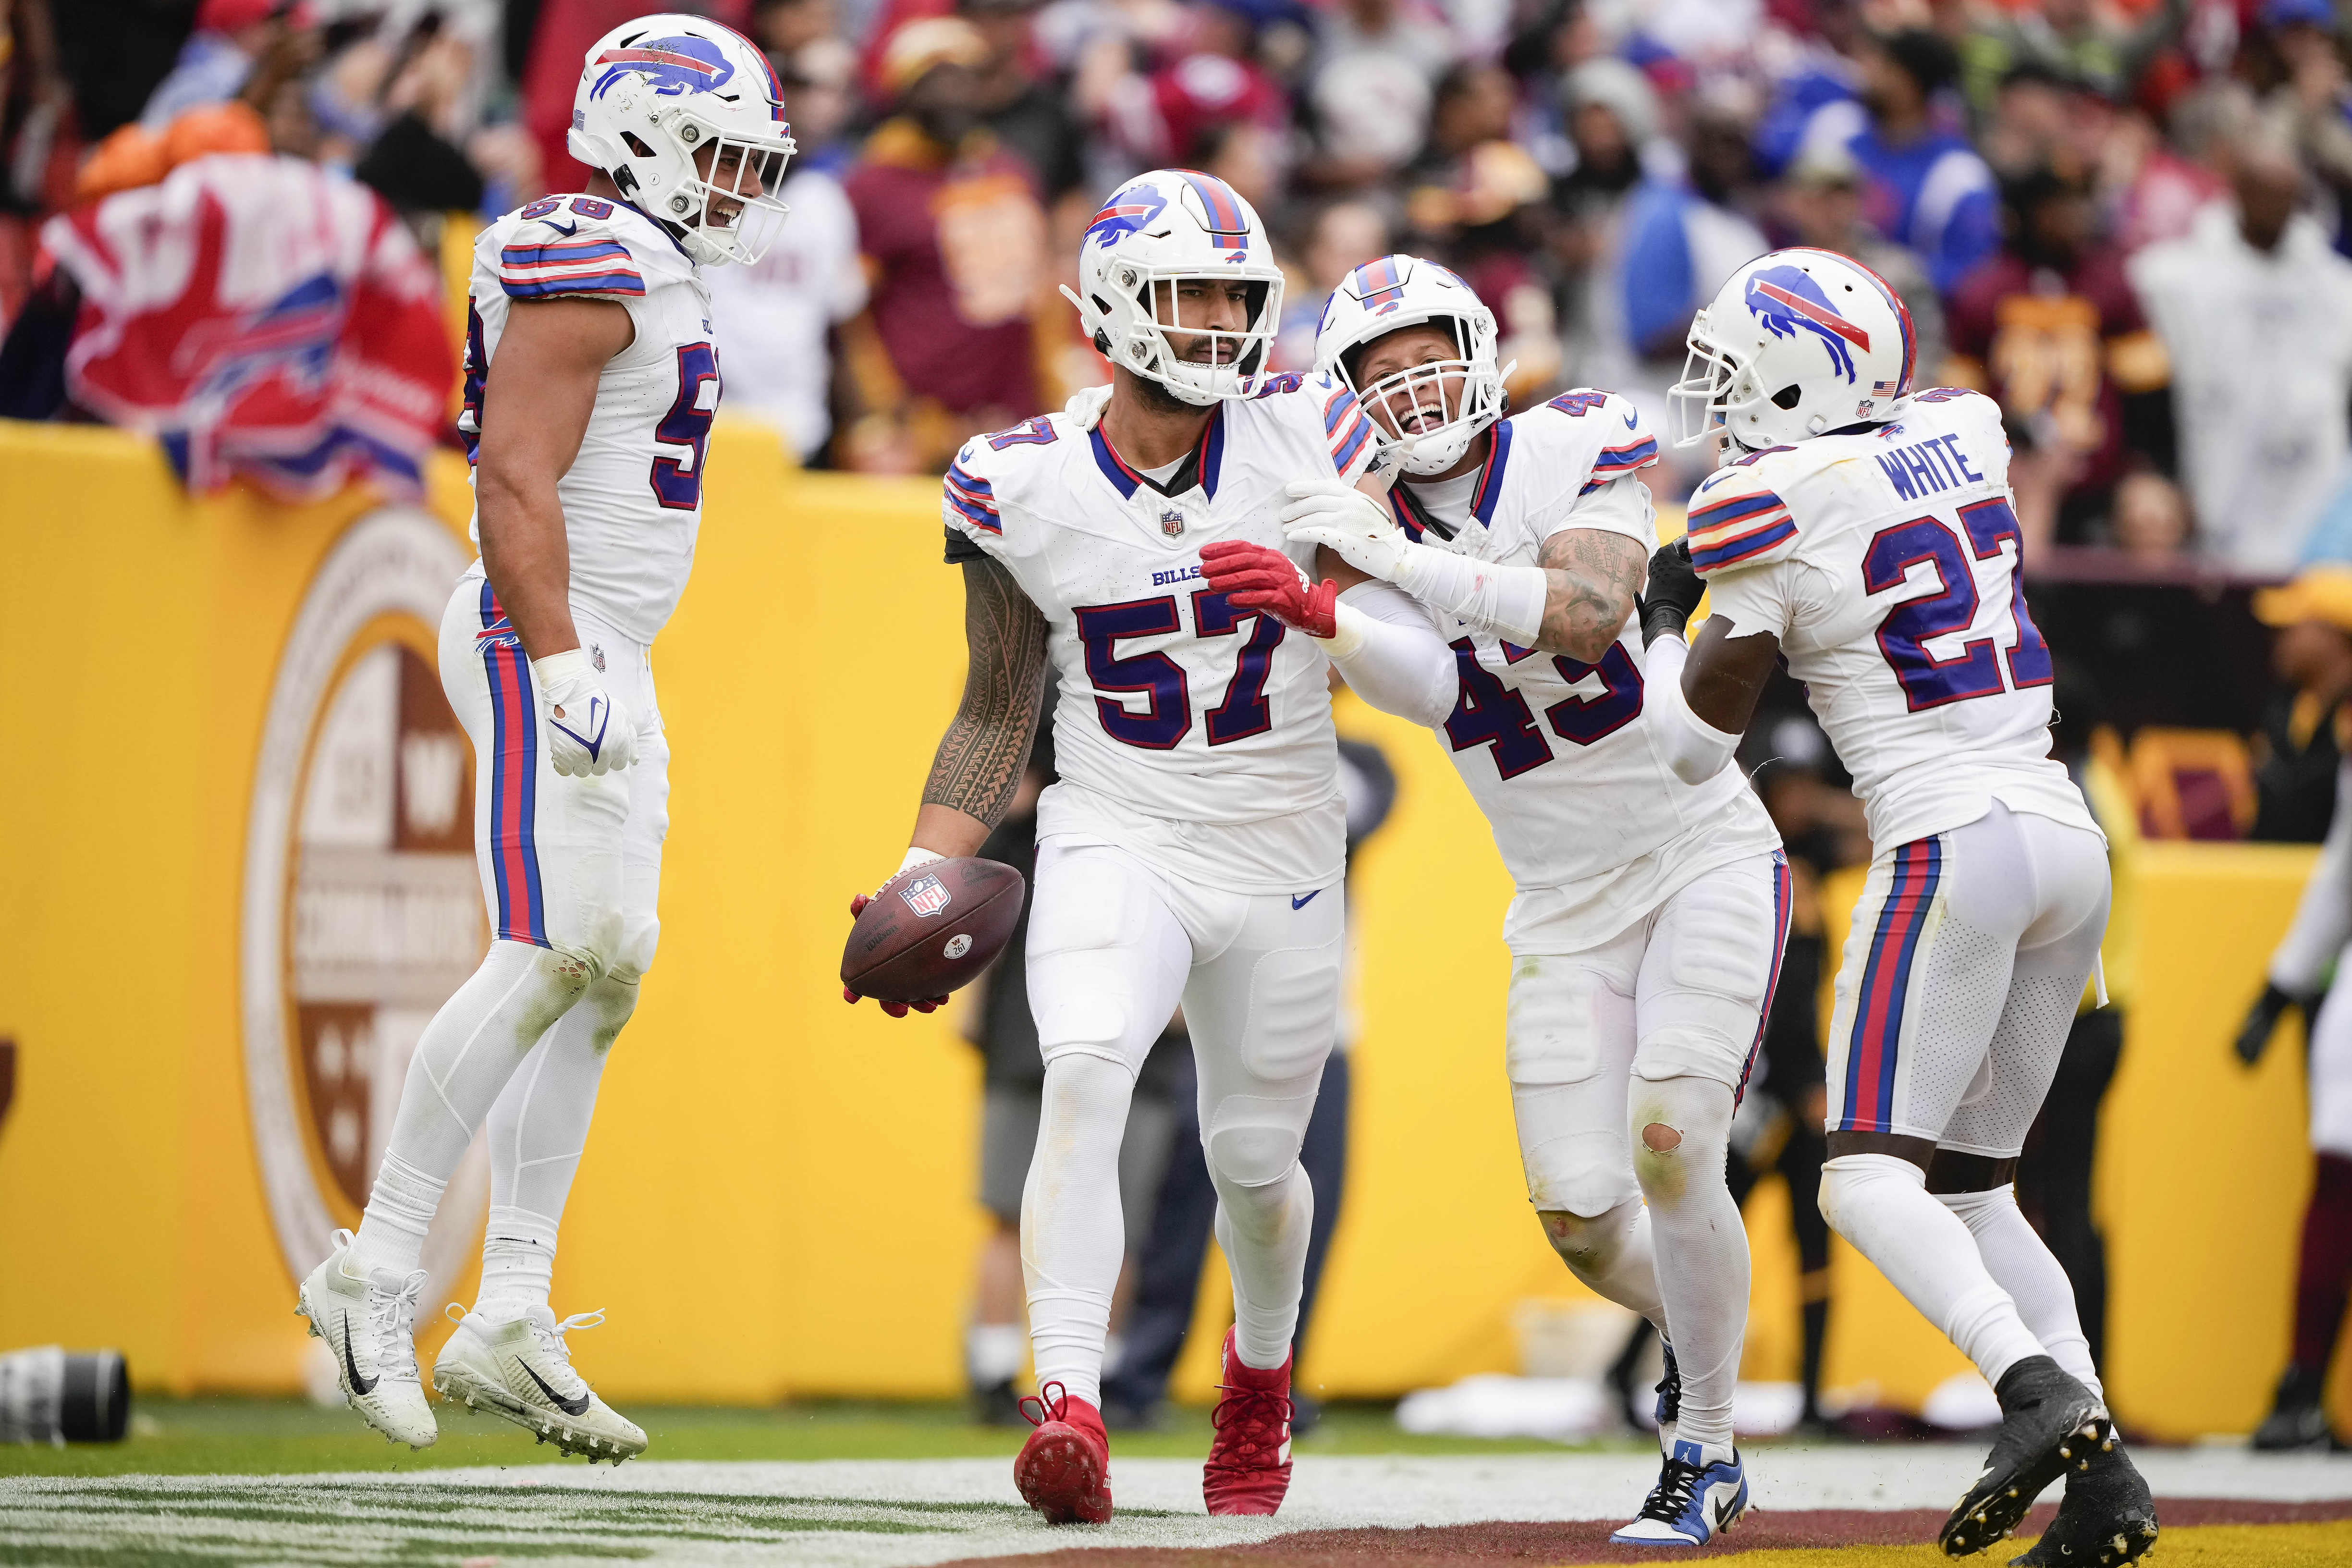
column 1224, row 208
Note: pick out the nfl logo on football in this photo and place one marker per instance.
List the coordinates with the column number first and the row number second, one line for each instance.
column 1171, row 522
column 926, row 897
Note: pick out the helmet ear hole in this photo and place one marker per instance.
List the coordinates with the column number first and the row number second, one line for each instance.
column 1788, row 396
column 635, row 144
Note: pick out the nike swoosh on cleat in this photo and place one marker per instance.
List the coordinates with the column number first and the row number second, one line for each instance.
column 1297, row 903
column 1723, row 1512
column 359, row 1385
column 569, row 1407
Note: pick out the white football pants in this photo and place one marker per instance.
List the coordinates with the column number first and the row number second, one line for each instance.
column 1114, row 945
column 1644, row 1041
column 570, row 872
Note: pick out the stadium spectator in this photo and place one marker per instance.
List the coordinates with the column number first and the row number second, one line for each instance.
column 1928, row 189
column 2050, row 326
column 2151, row 517
column 1342, row 236
column 954, row 240
column 2255, row 311
column 2305, row 724
column 1029, row 116
column 231, row 38
column 1611, row 115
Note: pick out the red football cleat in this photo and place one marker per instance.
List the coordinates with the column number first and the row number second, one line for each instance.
column 1249, row 1462
column 1064, row 1470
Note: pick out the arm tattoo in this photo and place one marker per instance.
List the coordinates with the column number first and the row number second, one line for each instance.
column 1591, row 577
column 980, row 759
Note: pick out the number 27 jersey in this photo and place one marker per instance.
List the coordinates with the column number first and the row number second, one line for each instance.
column 633, row 498
column 1887, row 564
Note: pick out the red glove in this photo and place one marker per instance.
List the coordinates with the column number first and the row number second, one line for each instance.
column 1253, row 577
column 857, row 903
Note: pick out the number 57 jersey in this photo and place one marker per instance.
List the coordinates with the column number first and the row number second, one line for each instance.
column 1887, row 564
column 1195, row 735
column 633, row 498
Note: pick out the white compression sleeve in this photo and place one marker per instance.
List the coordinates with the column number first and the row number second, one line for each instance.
column 1391, row 654
column 1693, row 748
column 1506, row 600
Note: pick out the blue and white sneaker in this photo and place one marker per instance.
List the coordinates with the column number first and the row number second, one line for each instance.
column 1701, row 1492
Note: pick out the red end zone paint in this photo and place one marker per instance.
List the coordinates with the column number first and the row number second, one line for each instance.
column 1586, row 1541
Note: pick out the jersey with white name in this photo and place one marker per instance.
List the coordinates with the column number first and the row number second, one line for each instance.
column 1593, row 822
column 633, row 498
column 1887, row 564
column 1195, row 735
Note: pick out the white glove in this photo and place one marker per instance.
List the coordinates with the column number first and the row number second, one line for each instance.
column 1086, row 404
column 1348, row 523
column 587, row 731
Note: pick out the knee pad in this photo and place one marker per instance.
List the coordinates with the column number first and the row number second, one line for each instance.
column 1845, row 1178
column 1590, row 1242
column 640, row 936
column 1251, row 1142
column 1582, row 1173
column 1680, row 1129
column 614, row 1001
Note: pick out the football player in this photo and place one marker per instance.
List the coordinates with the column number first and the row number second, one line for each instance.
column 1646, row 932
column 1192, row 848
column 590, row 385
column 1865, row 533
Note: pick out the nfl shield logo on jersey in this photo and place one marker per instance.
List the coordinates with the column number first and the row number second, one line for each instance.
column 1171, row 522
column 926, row 897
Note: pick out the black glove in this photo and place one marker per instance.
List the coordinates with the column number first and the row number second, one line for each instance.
column 1673, row 592
column 2262, row 1020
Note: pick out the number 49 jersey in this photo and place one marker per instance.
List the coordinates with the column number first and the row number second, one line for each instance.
column 1594, row 826
column 1192, row 734
column 633, row 498
column 1887, row 564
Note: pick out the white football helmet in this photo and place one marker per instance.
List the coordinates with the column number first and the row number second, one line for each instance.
column 1168, row 227
column 656, row 91
column 1799, row 344
column 1439, row 408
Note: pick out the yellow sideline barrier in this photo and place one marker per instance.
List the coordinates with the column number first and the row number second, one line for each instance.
column 801, row 1170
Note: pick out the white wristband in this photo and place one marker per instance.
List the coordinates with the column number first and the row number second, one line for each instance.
column 1347, row 636
column 916, row 858
column 555, row 666
column 1506, row 600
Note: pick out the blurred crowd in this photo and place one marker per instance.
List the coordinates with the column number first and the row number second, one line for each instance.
column 2127, row 218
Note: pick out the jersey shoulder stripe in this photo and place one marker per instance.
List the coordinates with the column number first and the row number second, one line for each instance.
column 540, row 270
column 971, row 498
column 1616, row 462
column 1737, row 526
column 1344, row 423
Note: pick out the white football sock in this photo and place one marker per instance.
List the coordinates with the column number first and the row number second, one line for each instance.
column 1702, row 1245
column 1881, row 1205
column 538, row 1129
column 992, row 1352
column 463, row 1059
column 518, row 1262
column 399, row 1212
column 1071, row 1240
column 1263, row 1231
column 2021, row 1263
column 1614, row 1253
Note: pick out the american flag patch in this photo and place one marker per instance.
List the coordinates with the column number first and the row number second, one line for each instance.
column 927, row 896
column 1885, row 388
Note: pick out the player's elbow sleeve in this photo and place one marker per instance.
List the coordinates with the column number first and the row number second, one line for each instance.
column 1696, row 750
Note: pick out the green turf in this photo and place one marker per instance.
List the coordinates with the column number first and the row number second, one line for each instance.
column 269, row 1436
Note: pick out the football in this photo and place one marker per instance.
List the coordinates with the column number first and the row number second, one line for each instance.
column 932, row 930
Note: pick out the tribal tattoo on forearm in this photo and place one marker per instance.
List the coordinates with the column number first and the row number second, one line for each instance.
column 1591, row 576
column 980, row 759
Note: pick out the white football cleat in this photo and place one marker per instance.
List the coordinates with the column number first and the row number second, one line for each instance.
column 1701, row 1492
column 371, row 1325
column 521, row 1368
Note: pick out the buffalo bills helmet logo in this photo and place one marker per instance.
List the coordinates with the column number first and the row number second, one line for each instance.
column 1125, row 213
column 683, row 64
column 1787, row 301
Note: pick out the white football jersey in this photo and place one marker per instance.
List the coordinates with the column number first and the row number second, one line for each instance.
column 1593, row 825
column 1886, row 564
column 1196, row 736
column 633, row 498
